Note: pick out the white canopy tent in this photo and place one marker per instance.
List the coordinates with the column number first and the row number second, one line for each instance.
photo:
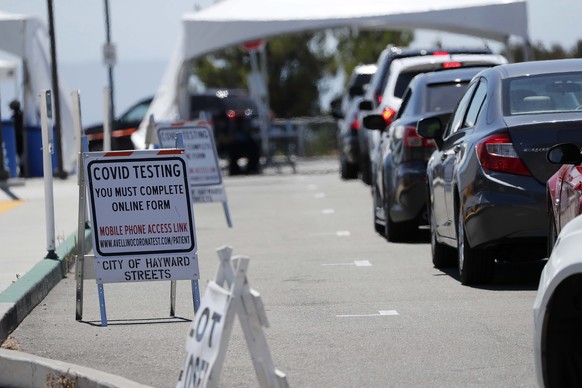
column 27, row 38
column 232, row 22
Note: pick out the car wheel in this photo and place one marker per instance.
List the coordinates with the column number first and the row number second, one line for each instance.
column 367, row 172
column 378, row 226
column 348, row 170
column 443, row 256
column 474, row 267
column 552, row 233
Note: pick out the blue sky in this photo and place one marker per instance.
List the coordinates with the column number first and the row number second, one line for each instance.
column 144, row 33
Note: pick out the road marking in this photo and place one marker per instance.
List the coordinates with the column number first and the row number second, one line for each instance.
column 343, row 233
column 380, row 313
column 357, row 263
column 328, row 211
column 319, row 195
column 7, row 205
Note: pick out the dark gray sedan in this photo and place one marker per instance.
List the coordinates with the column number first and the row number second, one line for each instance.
column 487, row 178
column 399, row 185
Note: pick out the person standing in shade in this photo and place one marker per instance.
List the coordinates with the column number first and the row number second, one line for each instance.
column 18, row 119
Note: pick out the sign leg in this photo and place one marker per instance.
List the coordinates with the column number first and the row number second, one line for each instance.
column 102, row 305
column 227, row 214
column 173, row 298
column 196, row 295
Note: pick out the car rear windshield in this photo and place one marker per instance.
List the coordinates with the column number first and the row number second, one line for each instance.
column 558, row 92
column 403, row 81
column 443, row 97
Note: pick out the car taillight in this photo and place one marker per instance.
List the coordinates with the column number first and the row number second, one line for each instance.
column 231, row 114
column 355, row 125
column 440, row 53
column 378, row 99
column 496, row 153
column 452, row 65
column 388, row 114
column 412, row 139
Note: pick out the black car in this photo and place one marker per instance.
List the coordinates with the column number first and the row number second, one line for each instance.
column 399, row 185
column 373, row 96
column 122, row 128
column 235, row 120
column 347, row 141
column 487, row 179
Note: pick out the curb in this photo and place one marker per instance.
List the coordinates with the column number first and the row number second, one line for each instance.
column 42, row 372
column 20, row 298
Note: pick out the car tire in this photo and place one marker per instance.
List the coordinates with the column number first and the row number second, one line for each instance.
column 552, row 233
column 474, row 266
column 366, row 175
column 378, row 225
column 348, row 170
column 443, row 256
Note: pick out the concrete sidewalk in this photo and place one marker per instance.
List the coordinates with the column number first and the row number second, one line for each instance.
column 27, row 276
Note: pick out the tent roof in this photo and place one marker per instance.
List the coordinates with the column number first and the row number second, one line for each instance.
column 232, row 22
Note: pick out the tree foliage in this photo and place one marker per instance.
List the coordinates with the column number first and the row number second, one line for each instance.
column 297, row 64
column 356, row 47
column 540, row 52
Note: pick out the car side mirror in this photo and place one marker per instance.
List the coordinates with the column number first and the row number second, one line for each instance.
column 565, row 153
column 431, row 128
column 365, row 105
column 376, row 122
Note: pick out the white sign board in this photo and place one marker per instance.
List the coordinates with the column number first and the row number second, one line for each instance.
column 201, row 158
column 142, row 217
column 204, row 339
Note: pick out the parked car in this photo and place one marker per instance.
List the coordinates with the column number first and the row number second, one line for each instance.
column 564, row 188
column 557, row 315
column 347, row 141
column 123, row 127
column 235, row 121
column 356, row 85
column 399, row 184
column 374, row 92
column 487, row 178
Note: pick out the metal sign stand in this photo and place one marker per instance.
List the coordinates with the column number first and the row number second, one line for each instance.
column 85, row 264
column 203, row 362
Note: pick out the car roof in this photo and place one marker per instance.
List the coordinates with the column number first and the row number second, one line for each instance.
column 412, row 62
column 365, row 69
column 403, row 52
column 462, row 74
column 537, row 67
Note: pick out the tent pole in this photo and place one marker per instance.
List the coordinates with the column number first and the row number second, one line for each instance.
column 56, row 99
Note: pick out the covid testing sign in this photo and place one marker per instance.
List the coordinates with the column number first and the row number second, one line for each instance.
column 202, row 163
column 142, row 217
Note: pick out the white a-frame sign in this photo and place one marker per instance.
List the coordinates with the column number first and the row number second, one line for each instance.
column 141, row 216
column 204, row 172
column 210, row 331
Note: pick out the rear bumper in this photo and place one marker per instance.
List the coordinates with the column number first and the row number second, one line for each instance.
column 410, row 193
column 512, row 218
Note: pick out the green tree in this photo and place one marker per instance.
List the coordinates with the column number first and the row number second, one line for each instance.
column 356, row 47
column 541, row 52
column 297, row 65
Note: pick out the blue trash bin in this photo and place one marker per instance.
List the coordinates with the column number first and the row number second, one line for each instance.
column 9, row 148
column 34, row 151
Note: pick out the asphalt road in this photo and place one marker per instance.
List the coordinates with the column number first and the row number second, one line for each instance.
column 324, row 276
